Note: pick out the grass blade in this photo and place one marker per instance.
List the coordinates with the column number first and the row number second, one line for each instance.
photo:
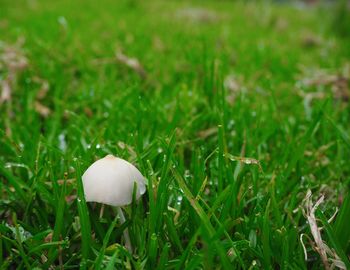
column 341, row 228
column 84, row 218
column 336, row 244
column 99, row 259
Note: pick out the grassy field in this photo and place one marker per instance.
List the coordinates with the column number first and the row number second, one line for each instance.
column 236, row 113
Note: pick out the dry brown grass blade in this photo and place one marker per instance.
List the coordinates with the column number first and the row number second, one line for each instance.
column 13, row 58
column 177, row 214
column 338, row 81
column 233, row 85
column 158, row 44
column 70, row 198
column 42, row 109
column 129, row 148
column 310, row 40
column 341, row 89
column 131, row 63
column 60, row 182
column 88, row 112
column 12, row 62
column 327, row 255
column 44, row 87
column 207, row 132
column 309, row 212
column 5, row 91
column 197, row 15
column 39, row 107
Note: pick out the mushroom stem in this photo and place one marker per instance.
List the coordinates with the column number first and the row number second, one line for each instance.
column 126, row 231
column 102, row 210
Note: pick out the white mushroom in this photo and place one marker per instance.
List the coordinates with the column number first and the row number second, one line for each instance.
column 111, row 181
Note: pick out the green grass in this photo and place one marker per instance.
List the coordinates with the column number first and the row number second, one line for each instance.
column 227, row 167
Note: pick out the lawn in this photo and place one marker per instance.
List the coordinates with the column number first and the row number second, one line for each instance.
column 236, row 113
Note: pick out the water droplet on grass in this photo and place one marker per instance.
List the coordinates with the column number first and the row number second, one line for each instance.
column 230, row 124
column 63, row 22
column 62, row 142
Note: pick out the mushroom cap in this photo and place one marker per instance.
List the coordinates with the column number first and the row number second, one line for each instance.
column 110, row 180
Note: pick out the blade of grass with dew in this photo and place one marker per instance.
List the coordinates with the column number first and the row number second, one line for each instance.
column 266, row 238
column 172, row 232
column 54, row 244
column 153, row 251
column 162, row 194
column 222, row 229
column 342, row 133
column 84, row 218
column 164, row 256
column 341, row 226
column 112, row 261
column 1, row 251
column 151, row 197
column 59, row 222
column 19, row 242
column 200, row 212
column 15, row 250
column 15, row 182
column 221, row 159
column 298, row 152
column 180, row 264
column 99, row 259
